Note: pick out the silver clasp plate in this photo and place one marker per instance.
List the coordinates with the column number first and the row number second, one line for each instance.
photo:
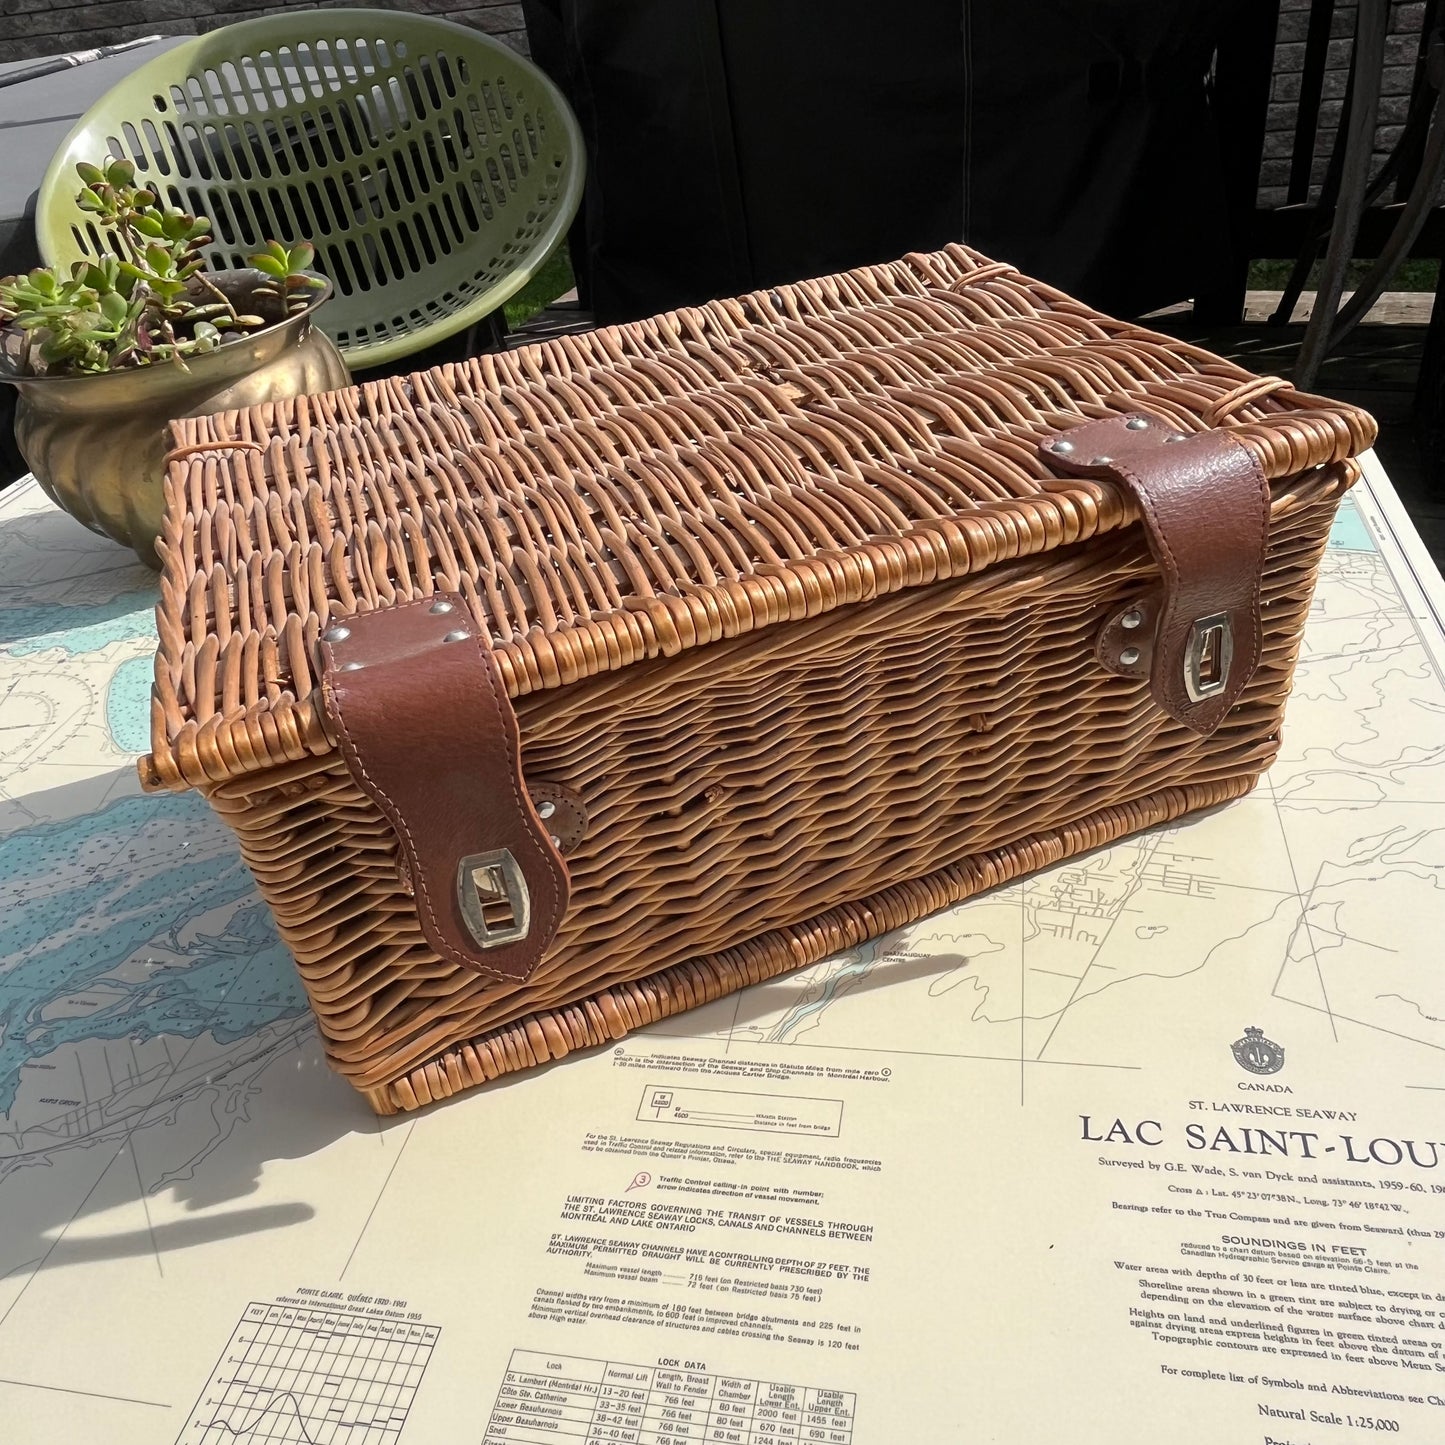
column 493, row 883
column 1209, row 657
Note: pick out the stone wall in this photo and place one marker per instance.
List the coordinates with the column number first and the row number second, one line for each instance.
column 1401, row 50
column 47, row 27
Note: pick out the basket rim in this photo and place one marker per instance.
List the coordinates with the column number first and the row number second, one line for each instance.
column 204, row 752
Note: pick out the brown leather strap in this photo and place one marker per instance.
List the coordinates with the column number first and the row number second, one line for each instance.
column 416, row 701
column 1205, row 509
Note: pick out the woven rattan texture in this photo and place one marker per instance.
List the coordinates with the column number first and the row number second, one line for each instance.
column 778, row 585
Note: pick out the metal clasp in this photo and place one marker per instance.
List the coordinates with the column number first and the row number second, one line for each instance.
column 1209, row 657
column 490, row 881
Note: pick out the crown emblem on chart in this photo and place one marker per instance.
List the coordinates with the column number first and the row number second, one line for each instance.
column 1258, row 1054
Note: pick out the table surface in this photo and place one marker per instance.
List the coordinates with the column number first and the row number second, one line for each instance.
column 205, row 1236
column 35, row 117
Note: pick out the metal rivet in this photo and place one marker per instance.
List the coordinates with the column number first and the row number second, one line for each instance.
column 556, row 841
column 457, row 635
column 1130, row 620
column 1129, row 656
column 1100, row 461
column 545, row 810
column 1061, row 446
column 351, row 667
column 337, row 634
column 1137, row 423
column 1177, row 437
column 441, row 607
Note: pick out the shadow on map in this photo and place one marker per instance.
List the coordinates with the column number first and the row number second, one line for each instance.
column 152, row 1027
column 186, row 1233
column 859, row 970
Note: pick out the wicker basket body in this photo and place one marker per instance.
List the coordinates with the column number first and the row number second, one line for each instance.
column 779, row 586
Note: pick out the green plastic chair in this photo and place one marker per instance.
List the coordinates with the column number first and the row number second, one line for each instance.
column 433, row 169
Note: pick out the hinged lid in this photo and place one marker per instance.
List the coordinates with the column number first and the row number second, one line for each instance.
column 627, row 493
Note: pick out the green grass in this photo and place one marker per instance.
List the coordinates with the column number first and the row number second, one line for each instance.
column 1412, row 275
column 552, row 281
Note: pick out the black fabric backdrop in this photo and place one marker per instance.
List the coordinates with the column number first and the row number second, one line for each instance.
column 734, row 144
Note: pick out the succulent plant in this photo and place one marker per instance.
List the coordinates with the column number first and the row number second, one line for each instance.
column 151, row 301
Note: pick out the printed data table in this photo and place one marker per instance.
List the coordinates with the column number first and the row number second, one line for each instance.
column 570, row 1397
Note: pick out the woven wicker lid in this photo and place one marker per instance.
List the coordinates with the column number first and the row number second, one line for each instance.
column 621, row 495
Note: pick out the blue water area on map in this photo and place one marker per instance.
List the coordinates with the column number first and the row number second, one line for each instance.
column 85, row 627
column 1349, row 533
column 145, row 879
column 855, row 964
column 128, row 704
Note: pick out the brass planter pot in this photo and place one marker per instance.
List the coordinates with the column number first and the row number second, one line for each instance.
column 97, row 443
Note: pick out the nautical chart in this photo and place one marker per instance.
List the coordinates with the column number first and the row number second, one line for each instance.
column 172, row 1145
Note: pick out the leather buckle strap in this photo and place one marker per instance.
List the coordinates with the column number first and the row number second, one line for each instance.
column 417, row 703
column 1204, row 504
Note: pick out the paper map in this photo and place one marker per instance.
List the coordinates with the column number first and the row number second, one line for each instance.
column 174, row 1151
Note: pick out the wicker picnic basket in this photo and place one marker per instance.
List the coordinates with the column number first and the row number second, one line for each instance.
column 558, row 691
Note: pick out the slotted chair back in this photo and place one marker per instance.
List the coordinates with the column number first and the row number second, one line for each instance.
column 433, row 168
